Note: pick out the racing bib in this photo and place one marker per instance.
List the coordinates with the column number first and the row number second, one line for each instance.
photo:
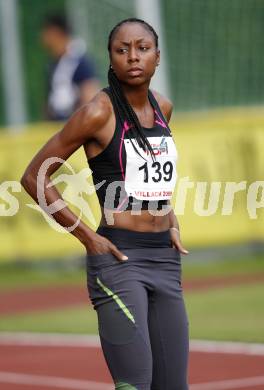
column 148, row 179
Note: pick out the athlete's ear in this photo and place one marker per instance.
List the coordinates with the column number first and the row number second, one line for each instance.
column 158, row 57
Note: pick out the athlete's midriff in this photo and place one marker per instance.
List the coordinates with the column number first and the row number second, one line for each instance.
column 145, row 221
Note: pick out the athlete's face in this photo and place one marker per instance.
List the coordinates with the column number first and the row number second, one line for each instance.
column 134, row 55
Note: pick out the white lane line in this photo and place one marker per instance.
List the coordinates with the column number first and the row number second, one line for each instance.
column 229, row 384
column 75, row 384
column 52, row 381
column 227, row 347
column 75, row 340
column 50, row 339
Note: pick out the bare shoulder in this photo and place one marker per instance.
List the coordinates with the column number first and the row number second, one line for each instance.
column 97, row 111
column 88, row 120
column 165, row 104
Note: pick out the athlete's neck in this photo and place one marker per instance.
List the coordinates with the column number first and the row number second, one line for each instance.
column 137, row 96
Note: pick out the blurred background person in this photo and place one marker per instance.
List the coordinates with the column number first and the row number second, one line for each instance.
column 71, row 79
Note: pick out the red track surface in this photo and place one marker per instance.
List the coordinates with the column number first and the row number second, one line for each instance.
column 88, row 364
column 41, row 298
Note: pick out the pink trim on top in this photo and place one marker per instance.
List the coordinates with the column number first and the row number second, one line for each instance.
column 125, row 128
column 160, row 120
column 121, row 204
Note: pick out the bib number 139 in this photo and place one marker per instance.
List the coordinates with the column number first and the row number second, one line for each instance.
column 157, row 171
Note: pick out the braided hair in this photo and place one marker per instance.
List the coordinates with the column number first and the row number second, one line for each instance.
column 124, row 109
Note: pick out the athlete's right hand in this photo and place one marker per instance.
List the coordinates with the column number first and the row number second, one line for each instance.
column 100, row 245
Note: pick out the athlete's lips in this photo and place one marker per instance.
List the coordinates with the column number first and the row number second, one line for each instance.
column 135, row 70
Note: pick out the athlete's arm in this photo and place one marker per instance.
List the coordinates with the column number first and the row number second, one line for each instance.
column 165, row 104
column 80, row 128
column 175, row 232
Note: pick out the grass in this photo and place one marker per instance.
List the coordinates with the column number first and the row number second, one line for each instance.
column 233, row 313
column 12, row 276
column 242, row 266
column 229, row 313
column 77, row 319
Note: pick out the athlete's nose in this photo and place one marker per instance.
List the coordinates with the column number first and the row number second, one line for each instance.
column 132, row 54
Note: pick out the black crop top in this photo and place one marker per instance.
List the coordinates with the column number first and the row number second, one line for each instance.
column 109, row 166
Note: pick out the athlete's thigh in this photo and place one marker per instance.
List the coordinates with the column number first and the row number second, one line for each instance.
column 169, row 330
column 121, row 302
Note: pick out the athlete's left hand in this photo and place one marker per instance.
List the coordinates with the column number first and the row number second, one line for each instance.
column 176, row 241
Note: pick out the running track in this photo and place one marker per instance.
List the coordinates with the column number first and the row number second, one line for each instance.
column 29, row 299
column 75, row 362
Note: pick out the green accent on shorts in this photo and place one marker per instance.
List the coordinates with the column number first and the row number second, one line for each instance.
column 120, row 304
column 124, row 386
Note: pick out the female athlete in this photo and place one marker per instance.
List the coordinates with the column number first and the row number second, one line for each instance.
column 133, row 259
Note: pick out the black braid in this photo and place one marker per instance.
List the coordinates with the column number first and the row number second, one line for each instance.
column 124, row 109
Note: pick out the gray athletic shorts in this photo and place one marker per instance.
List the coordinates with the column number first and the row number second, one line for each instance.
column 142, row 320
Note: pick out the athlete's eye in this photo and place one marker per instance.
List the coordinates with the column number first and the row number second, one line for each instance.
column 143, row 48
column 121, row 50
